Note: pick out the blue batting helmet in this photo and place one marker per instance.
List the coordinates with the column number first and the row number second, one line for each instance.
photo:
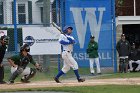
column 65, row 29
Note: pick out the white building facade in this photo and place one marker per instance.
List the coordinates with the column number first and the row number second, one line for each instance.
column 27, row 12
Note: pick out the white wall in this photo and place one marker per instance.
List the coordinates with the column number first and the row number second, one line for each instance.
column 36, row 14
column 7, row 8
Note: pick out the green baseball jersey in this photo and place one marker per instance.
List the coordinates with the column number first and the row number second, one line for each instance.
column 21, row 60
column 92, row 50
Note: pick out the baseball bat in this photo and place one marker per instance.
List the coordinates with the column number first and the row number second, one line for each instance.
column 57, row 27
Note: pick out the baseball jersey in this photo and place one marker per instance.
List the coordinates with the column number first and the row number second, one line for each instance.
column 66, row 43
column 18, row 60
column 92, row 50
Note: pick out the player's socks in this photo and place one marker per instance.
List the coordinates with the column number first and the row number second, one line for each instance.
column 60, row 74
column 76, row 73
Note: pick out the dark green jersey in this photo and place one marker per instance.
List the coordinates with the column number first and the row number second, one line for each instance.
column 92, row 50
column 21, row 60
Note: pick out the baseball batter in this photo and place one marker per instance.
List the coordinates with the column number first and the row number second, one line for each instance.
column 19, row 65
column 67, row 41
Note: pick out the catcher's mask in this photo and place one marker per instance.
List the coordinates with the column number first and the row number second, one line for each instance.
column 5, row 39
column 25, row 47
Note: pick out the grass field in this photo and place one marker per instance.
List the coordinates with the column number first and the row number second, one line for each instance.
column 83, row 71
column 45, row 76
column 88, row 89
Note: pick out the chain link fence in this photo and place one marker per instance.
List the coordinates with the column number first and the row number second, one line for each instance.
column 15, row 14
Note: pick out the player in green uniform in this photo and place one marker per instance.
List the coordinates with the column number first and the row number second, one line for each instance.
column 19, row 65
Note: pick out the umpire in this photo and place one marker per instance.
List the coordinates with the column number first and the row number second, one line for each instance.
column 123, row 48
column 3, row 46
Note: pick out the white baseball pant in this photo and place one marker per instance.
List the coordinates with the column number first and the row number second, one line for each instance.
column 91, row 61
column 132, row 61
column 69, row 62
column 26, row 71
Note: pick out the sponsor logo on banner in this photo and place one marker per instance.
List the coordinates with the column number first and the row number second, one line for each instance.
column 30, row 40
column 43, row 40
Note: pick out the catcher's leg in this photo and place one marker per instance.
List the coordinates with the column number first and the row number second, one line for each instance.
column 15, row 74
column 121, row 65
column 125, row 65
column 27, row 75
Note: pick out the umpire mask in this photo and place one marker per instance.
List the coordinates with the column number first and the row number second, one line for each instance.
column 5, row 39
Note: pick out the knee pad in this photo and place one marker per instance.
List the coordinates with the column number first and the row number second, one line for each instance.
column 33, row 71
column 126, row 60
column 121, row 65
column 122, row 61
column 20, row 70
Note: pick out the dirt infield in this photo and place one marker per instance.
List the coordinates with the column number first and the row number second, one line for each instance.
column 90, row 82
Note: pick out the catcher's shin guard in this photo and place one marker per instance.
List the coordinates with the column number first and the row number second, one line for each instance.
column 16, row 74
column 121, row 65
column 1, row 73
column 32, row 74
column 125, row 65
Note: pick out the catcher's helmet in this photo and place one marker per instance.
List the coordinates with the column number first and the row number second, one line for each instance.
column 65, row 29
column 25, row 47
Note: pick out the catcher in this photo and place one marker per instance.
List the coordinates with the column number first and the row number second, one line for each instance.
column 19, row 65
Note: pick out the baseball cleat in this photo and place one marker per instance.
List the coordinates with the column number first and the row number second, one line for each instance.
column 56, row 80
column 99, row 73
column 2, row 82
column 81, row 80
column 92, row 74
column 10, row 82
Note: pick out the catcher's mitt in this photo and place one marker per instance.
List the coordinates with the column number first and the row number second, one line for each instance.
column 40, row 68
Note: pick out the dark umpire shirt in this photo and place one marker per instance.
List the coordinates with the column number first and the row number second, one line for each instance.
column 123, row 48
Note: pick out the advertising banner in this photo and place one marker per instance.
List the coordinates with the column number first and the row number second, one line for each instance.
column 91, row 17
column 43, row 40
